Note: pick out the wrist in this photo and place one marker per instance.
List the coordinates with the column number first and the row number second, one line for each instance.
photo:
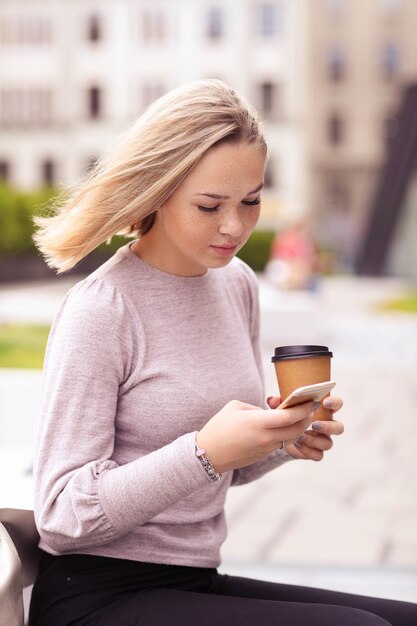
column 202, row 441
column 206, row 463
column 215, row 456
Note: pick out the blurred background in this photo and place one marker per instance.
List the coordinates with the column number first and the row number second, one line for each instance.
column 335, row 82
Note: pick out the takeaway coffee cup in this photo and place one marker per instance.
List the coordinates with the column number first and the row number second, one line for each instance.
column 297, row 366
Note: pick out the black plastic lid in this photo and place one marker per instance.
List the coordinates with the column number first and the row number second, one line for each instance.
column 299, row 352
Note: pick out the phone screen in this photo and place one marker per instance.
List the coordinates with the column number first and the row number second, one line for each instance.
column 309, row 393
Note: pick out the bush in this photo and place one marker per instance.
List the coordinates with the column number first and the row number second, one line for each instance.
column 17, row 209
column 22, row 345
column 257, row 249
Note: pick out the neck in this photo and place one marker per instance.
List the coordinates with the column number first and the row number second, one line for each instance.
column 144, row 249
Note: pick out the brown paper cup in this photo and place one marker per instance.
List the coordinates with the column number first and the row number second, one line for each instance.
column 297, row 366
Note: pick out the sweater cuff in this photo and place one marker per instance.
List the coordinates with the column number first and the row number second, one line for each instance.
column 134, row 493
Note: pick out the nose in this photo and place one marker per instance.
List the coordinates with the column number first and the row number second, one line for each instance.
column 231, row 224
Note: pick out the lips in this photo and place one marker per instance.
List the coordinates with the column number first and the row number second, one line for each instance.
column 224, row 250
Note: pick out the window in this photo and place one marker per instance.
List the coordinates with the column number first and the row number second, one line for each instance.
column 48, row 172
column 215, row 23
column 46, row 30
column 390, row 61
column 336, row 63
column 4, row 170
column 269, row 101
column 94, row 103
column 8, row 107
column 335, row 129
column 269, row 19
column 337, row 193
column 94, row 28
column 152, row 25
column 39, row 105
column 25, row 107
column 270, row 174
column 27, row 29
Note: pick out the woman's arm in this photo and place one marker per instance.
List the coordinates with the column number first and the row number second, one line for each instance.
column 82, row 497
column 314, row 442
column 310, row 445
column 280, row 456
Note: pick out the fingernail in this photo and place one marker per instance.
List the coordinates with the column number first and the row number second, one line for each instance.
column 298, row 445
column 269, row 398
column 316, row 426
column 327, row 403
column 316, row 405
column 300, row 438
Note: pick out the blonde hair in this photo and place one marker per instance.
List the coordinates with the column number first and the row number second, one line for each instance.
column 143, row 167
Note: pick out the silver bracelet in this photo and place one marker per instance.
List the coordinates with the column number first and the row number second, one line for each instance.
column 201, row 455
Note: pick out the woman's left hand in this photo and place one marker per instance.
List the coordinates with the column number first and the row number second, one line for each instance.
column 317, row 440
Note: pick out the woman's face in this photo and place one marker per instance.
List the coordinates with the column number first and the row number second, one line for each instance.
column 210, row 216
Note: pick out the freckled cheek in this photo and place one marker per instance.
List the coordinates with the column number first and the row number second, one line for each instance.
column 251, row 221
column 198, row 236
column 187, row 228
column 204, row 230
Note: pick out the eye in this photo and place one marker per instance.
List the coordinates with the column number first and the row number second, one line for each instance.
column 208, row 209
column 251, row 202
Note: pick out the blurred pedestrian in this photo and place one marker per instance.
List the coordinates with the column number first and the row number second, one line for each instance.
column 141, row 433
column 294, row 260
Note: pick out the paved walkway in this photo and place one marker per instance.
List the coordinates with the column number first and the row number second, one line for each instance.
column 348, row 522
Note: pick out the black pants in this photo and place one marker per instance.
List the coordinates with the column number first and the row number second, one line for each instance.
column 88, row 590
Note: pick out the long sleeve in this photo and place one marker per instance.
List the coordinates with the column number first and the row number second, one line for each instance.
column 138, row 361
column 279, row 457
column 257, row 470
column 83, row 497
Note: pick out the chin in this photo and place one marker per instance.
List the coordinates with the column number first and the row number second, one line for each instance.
column 219, row 262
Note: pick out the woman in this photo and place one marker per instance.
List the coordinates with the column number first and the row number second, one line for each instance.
column 153, row 399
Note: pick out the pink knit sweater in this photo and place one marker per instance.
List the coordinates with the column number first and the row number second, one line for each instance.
column 138, row 360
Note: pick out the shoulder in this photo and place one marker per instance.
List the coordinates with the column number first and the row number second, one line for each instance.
column 106, row 292
column 97, row 305
column 95, row 297
column 96, row 333
column 96, row 318
column 242, row 276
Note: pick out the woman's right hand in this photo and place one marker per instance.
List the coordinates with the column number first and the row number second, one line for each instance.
column 241, row 434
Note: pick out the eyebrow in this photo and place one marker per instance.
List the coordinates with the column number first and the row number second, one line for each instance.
column 218, row 197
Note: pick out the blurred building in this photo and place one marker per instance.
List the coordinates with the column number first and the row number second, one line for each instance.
column 390, row 238
column 75, row 73
column 362, row 56
column 328, row 77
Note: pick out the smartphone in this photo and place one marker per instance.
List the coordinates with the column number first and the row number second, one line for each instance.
column 309, row 393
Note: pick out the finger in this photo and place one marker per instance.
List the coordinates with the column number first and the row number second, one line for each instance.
column 293, row 451
column 280, row 418
column 312, row 454
column 334, row 403
column 273, row 402
column 328, row 427
column 292, row 432
column 316, row 440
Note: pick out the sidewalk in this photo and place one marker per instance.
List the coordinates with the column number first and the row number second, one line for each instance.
column 348, row 522
column 358, row 508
